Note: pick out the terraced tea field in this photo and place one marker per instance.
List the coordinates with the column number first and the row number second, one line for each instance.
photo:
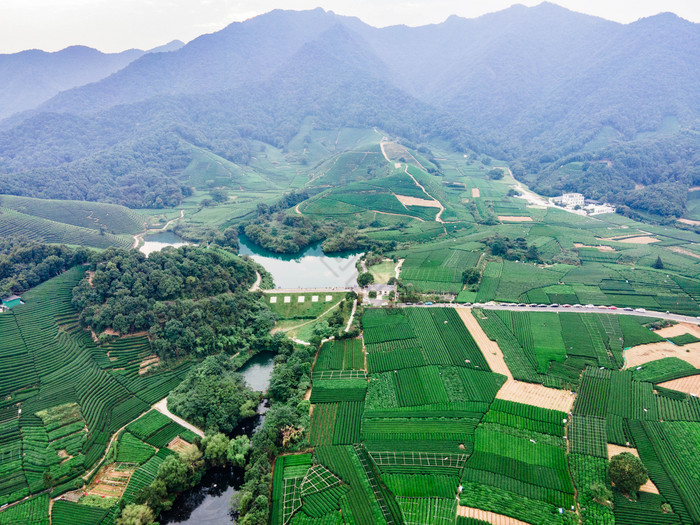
column 64, row 397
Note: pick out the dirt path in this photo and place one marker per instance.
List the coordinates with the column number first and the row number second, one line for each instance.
column 439, row 204
column 311, row 321
column 162, row 407
column 296, row 209
column 256, row 284
column 352, row 315
column 139, row 236
column 397, row 270
column 513, row 390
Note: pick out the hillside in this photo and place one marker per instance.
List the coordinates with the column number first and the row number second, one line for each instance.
column 32, row 77
column 539, row 87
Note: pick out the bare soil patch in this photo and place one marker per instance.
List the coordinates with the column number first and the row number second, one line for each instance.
column 491, row 350
column 641, row 354
column 689, row 385
column 641, row 239
column 178, row 445
column 111, row 482
column 679, row 329
column 415, row 201
column 514, row 218
column 599, row 247
column 490, row 517
column 475, row 193
column 689, row 222
column 149, row 362
column 537, row 395
column 683, row 251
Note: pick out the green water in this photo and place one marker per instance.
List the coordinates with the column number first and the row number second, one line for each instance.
column 308, row 269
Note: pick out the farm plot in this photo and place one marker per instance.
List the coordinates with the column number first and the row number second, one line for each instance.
column 344, row 354
column 437, row 270
column 513, row 463
column 302, row 305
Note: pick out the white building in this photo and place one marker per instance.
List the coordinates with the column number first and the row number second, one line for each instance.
column 572, row 199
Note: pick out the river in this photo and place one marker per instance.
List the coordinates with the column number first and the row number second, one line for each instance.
column 209, row 503
column 309, row 269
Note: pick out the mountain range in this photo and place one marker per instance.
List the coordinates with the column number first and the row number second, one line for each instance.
column 540, row 87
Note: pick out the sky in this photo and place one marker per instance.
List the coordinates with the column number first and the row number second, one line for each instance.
column 115, row 25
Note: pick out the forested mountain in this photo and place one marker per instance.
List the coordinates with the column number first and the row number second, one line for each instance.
column 540, row 87
column 32, row 77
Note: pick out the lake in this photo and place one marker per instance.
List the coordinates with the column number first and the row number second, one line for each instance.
column 308, row 269
column 209, row 503
column 158, row 241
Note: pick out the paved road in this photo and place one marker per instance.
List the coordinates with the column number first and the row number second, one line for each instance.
column 581, row 309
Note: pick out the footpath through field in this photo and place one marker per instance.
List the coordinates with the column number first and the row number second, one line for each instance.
column 512, row 390
column 162, row 407
column 490, row 517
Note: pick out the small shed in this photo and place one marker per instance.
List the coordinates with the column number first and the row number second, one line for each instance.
column 11, row 301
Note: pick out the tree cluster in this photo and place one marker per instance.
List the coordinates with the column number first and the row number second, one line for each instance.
column 192, row 300
column 25, row 264
column 512, row 249
column 214, row 396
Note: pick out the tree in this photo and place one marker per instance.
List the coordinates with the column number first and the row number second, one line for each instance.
column 364, row 279
column 658, row 264
column 238, row 450
column 173, row 472
column 215, row 447
column 470, row 276
column 627, row 473
column 136, row 515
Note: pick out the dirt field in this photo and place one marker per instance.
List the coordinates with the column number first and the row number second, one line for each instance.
column 689, row 385
column 600, row 247
column 536, row 395
column 490, row 517
column 178, row 445
column 614, row 450
column 514, row 218
column 683, row 251
column 415, row 201
column 689, row 221
column 148, row 363
column 642, row 239
column 475, row 193
column 110, row 482
column 641, row 354
column 512, row 390
column 679, row 329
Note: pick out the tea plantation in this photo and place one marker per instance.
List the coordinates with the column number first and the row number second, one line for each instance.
column 421, row 435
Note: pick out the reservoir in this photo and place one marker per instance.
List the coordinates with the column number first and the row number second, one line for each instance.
column 309, row 269
column 158, row 241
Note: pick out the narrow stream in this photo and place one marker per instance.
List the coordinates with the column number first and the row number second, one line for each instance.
column 209, row 502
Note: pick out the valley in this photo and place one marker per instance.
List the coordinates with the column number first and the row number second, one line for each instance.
column 326, row 283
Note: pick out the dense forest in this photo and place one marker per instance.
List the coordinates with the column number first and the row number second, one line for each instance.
column 191, row 301
column 25, row 264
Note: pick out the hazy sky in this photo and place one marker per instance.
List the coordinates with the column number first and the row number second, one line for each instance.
column 115, row 25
